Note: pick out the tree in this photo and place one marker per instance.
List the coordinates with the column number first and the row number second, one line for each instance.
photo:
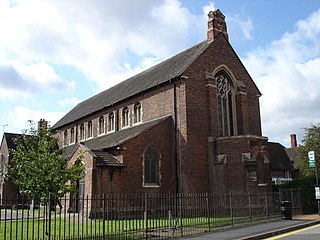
column 39, row 168
column 310, row 142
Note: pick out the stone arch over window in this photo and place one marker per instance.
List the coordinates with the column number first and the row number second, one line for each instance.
column 125, row 117
column 101, row 125
column 65, row 137
column 82, row 132
column 226, row 103
column 137, row 113
column 111, row 122
column 151, row 166
column 90, row 134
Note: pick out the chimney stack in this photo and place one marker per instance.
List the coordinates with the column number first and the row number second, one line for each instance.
column 42, row 124
column 216, row 25
column 293, row 138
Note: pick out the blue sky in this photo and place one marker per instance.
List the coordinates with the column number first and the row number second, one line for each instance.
column 54, row 53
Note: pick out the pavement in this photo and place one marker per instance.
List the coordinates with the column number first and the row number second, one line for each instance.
column 262, row 230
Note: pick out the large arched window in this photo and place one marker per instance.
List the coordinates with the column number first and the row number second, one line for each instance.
column 137, row 113
column 101, row 125
column 151, row 162
column 226, row 104
column 125, row 117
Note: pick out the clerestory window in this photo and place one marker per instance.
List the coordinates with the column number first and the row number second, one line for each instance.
column 137, row 113
column 72, row 136
column 82, row 132
column 125, row 117
column 226, row 105
column 101, row 125
column 90, row 134
column 111, row 122
column 65, row 137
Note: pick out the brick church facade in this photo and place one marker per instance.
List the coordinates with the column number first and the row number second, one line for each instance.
column 189, row 124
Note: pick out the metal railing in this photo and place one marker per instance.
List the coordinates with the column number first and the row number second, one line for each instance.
column 124, row 216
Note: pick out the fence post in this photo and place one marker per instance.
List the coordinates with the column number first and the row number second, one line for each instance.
column 104, row 214
column 146, row 214
column 250, row 208
column 267, row 207
column 231, row 211
column 208, row 211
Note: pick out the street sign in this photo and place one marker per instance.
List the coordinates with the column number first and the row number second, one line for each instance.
column 311, row 157
column 317, row 191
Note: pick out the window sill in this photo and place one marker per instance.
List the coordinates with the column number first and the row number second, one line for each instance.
column 151, row 185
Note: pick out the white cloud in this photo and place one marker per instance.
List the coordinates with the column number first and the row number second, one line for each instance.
column 19, row 116
column 287, row 72
column 64, row 33
column 240, row 25
column 69, row 102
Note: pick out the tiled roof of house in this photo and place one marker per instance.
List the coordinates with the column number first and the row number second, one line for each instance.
column 9, row 137
column 152, row 77
column 278, row 157
column 117, row 138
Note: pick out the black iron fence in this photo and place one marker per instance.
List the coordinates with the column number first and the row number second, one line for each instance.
column 131, row 216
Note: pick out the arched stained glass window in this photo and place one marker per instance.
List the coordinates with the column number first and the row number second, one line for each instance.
column 226, row 105
column 151, row 159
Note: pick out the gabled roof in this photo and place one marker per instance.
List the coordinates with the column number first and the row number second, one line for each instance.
column 106, row 159
column 278, row 157
column 117, row 138
column 152, row 77
column 9, row 137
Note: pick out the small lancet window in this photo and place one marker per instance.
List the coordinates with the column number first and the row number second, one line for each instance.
column 72, row 136
column 125, row 117
column 111, row 122
column 82, row 132
column 137, row 113
column 65, row 137
column 90, row 129
column 101, row 125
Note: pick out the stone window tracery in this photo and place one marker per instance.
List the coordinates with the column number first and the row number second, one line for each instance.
column 151, row 160
column 226, row 104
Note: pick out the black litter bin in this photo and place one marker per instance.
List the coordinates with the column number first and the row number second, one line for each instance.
column 286, row 210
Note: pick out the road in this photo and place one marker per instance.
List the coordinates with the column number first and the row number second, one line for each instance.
column 309, row 233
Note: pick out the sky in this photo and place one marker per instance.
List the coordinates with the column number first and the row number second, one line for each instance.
column 55, row 54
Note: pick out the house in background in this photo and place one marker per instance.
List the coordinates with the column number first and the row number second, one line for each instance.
column 280, row 163
column 293, row 156
column 7, row 144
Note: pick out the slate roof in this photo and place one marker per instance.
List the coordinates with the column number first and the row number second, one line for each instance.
column 106, row 159
column 293, row 155
column 9, row 137
column 117, row 138
column 152, row 77
column 278, row 157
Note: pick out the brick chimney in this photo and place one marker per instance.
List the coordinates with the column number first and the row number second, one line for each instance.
column 216, row 25
column 42, row 124
column 293, row 138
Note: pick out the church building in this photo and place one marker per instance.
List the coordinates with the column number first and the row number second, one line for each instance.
column 190, row 124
